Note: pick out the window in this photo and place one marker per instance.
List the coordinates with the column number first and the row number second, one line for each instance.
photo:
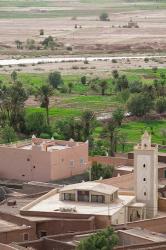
column 97, row 198
column 25, row 237
column 144, row 193
column 69, row 197
column 28, row 159
column 144, row 179
column 81, row 161
column 43, row 233
column 83, row 196
column 144, row 165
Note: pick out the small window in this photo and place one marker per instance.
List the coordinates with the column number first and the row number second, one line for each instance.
column 28, row 159
column 98, row 198
column 34, row 166
column 23, row 175
column 144, row 165
column 145, row 145
column 144, row 179
column 69, row 197
column 144, row 193
column 81, row 161
column 25, row 236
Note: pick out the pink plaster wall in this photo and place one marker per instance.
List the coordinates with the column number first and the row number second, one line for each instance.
column 42, row 165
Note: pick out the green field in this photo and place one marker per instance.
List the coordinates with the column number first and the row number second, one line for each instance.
column 50, row 12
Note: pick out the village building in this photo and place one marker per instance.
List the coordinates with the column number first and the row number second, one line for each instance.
column 43, row 159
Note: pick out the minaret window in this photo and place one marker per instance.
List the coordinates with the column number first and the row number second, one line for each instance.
column 144, row 165
column 144, row 193
column 144, row 179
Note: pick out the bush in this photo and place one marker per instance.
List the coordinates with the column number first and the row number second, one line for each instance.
column 83, row 80
column 146, row 60
column 104, row 17
column 114, row 61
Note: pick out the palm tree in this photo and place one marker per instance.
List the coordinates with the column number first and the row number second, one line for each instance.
column 104, row 86
column 87, row 119
column 45, row 92
column 111, row 131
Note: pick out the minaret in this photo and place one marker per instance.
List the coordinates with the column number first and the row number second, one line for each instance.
column 146, row 174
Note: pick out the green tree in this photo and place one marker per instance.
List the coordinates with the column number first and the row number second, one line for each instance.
column 36, row 122
column 118, row 115
column 99, row 148
column 135, row 87
column 8, row 134
column 49, row 42
column 45, row 92
column 69, row 128
column 12, row 100
column 139, row 104
column 104, row 16
column 55, row 79
column 103, row 85
column 111, row 133
column 101, row 170
column 161, row 105
column 105, row 239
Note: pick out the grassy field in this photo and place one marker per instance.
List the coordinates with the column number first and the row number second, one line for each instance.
column 83, row 97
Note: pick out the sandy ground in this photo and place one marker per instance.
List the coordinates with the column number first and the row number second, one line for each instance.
column 94, row 36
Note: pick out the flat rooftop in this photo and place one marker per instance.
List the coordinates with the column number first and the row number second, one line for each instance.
column 146, row 234
column 53, row 204
column 123, row 182
column 48, row 145
column 49, row 148
column 6, row 226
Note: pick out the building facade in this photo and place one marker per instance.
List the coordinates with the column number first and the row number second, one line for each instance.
column 43, row 160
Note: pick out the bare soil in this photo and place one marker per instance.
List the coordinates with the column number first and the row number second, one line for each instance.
column 95, row 37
